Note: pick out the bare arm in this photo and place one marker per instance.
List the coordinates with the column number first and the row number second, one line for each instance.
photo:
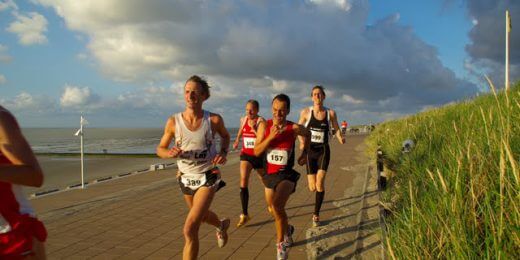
column 163, row 149
column 262, row 142
column 237, row 139
column 334, row 120
column 25, row 169
column 301, row 122
column 304, row 135
column 220, row 128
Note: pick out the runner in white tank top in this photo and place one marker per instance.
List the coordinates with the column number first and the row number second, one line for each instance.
column 194, row 149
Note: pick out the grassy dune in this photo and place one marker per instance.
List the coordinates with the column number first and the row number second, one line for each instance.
column 457, row 194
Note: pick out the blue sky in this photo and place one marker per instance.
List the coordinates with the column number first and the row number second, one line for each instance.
column 123, row 63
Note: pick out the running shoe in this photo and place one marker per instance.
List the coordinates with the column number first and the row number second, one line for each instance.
column 243, row 220
column 281, row 251
column 288, row 237
column 315, row 221
column 222, row 236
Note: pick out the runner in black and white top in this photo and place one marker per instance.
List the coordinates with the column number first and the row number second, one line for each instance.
column 248, row 160
column 193, row 131
column 319, row 120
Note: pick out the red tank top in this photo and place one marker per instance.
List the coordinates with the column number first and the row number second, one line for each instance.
column 280, row 152
column 248, row 138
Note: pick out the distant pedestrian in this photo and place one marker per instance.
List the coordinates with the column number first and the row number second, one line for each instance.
column 276, row 141
column 21, row 234
column 248, row 160
column 194, row 131
column 319, row 120
column 344, row 127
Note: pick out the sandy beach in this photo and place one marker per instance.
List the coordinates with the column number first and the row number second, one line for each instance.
column 62, row 171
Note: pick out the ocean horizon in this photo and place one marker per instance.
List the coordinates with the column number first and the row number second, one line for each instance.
column 97, row 140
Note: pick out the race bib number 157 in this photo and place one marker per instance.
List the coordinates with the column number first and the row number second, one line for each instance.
column 277, row 157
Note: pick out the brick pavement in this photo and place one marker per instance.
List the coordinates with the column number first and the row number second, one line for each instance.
column 142, row 216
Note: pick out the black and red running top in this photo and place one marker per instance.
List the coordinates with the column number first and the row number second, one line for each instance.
column 280, row 152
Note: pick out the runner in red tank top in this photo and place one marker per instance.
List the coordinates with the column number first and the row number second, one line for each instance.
column 21, row 234
column 275, row 140
column 248, row 160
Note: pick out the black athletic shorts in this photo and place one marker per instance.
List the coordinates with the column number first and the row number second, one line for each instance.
column 272, row 180
column 211, row 180
column 256, row 162
column 318, row 159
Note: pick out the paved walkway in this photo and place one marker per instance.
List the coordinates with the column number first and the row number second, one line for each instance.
column 142, row 216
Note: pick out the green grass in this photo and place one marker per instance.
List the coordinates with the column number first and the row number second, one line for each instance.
column 457, row 194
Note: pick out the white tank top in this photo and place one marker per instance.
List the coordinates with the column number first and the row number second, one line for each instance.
column 198, row 148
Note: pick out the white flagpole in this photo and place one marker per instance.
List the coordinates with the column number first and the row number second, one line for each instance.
column 82, row 164
column 508, row 27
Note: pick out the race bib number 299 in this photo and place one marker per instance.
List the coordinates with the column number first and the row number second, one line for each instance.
column 317, row 137
column 277, row 157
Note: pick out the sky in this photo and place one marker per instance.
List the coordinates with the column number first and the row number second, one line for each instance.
column 123, row 63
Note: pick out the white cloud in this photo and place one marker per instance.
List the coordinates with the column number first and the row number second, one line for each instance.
column 3, row 80
column 77, row 97
column 351, row 100
column 27, row 103
column 344, row 5
column 29, row 28
column 3, row 54
column 255, row 48
column 8, row 4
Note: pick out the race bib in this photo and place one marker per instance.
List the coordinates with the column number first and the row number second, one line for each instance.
column 194, row 180
column 277, row 157
column 249, row 142
column 317, row 137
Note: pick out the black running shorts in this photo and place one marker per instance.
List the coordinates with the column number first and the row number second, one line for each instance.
column 211, row 180
column 318, row 159
column 272, row 180
column 256, row 162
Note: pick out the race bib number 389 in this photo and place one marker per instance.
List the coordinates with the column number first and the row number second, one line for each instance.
column 193, row 181
column 277, row 157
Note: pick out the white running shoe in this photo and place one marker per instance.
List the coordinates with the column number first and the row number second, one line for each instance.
column 288, row 237
column 281, row 251
column 222, row 236
column 316, row 221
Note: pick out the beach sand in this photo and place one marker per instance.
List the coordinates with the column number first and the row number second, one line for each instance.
column 62, row 171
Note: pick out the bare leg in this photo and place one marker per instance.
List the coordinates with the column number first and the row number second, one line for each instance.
column 279, row 199
column 320, row 180
column 245, row 172
column 199, row 209
column 311, row 180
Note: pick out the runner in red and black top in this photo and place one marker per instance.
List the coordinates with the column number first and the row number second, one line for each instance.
column 319, row 120
column 275, row 141
column 21, row 234
column 248, row 160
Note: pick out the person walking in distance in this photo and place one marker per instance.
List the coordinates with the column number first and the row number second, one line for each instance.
column 194, row 131
column 319, row 120
column 22, row 235
column 248, row 160
column 276, row 141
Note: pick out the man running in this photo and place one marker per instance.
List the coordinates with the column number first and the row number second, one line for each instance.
column 21, row 234
column 199, row 180
column 248, row 160
column 276, row 138
column 319, row 120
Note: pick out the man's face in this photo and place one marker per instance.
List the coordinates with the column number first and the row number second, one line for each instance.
column 193, row 95
column 317, row 96
column 280, row 111
column 251, row 110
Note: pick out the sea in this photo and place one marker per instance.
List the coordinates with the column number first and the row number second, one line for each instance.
column 98, row 140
